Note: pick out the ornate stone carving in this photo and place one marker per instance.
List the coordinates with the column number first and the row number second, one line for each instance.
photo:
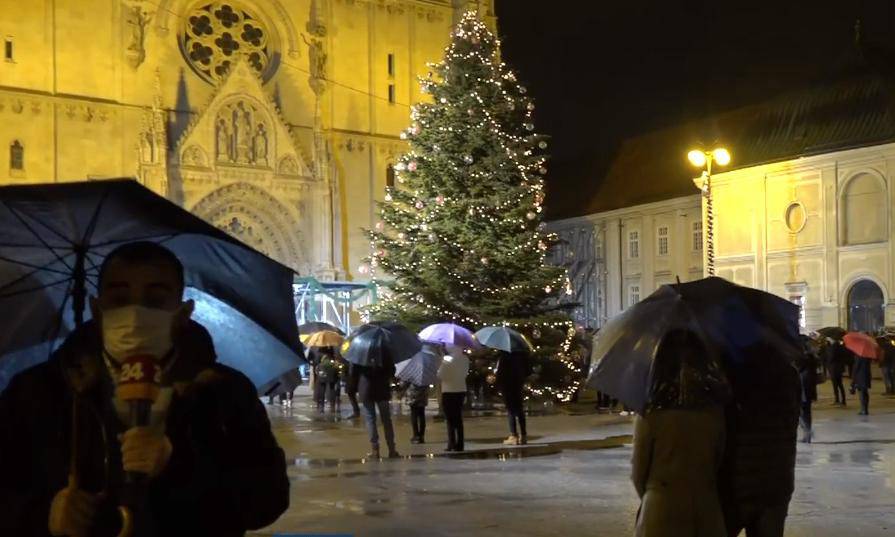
column 316, row 63
column 288, row 166
column 17, row 106
column 241, row 134
column 194, row 156
column 136, row 19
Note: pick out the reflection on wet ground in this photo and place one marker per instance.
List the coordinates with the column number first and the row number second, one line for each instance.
column 572, row 480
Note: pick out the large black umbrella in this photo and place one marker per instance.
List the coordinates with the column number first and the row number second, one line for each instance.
column 54, row 237
column 741, row 328
column 833, row 332
column 379, row 344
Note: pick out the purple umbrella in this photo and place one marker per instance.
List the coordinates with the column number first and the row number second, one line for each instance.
column 449, row 334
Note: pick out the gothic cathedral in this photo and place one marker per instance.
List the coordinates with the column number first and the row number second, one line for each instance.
column 275, row 120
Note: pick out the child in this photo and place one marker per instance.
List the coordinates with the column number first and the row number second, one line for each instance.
column 417, row 397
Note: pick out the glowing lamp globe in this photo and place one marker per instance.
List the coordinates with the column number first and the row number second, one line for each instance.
column 721, row 156
column 697, row 158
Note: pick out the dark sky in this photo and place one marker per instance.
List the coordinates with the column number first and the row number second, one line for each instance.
column 604, row 70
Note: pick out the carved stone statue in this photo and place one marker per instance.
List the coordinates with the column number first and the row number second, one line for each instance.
column 147, row 149
column 137, row 19
column 316, row 58
column 260, row 145
column 223, row 141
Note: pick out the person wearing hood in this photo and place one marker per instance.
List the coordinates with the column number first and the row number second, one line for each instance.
column 208, row 459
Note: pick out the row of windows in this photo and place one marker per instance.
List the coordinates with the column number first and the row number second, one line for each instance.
column 662, row 240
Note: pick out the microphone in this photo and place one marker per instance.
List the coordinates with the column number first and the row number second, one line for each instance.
column 138, row 386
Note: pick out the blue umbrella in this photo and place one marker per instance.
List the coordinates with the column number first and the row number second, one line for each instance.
column 380, row 344
column 503, row 339
column 54, row 237
column 422, row 368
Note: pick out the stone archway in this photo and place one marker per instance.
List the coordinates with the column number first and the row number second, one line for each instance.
column 866, row 306
column 256, row 218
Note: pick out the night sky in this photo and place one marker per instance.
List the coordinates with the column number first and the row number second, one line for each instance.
column 604, row 70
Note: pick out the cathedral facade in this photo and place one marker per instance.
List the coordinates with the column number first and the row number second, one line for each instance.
column 274, row 120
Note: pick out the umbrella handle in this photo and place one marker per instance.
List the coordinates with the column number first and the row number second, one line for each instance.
column 127, row 522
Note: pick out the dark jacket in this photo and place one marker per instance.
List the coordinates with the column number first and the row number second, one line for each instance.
column 807, row 366
column 861, row 374
column 373, row 383
column 416, row 395
column 887, row 344
column 762, row 423
column 841, row 358
column 512, row 372
column 226, row 474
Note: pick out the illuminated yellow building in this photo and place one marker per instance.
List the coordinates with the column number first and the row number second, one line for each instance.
column 275, row 120
column 804, row 210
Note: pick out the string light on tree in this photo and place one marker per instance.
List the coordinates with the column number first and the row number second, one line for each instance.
column 463, row 234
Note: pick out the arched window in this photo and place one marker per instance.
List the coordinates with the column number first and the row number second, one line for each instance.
column 866, row 307
column 16, row 156
column 390, row 176
column 864, row 210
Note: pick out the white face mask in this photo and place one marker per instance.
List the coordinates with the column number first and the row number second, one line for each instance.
column 134, row 330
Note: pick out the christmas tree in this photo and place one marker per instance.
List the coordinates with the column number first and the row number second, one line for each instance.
column 461, row 232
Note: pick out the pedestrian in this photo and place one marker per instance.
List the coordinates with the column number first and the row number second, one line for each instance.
column 452, row 373
column 860, row 382
column 512, row 371
column 678, row 448
column 417, row 398
column 887, row 362
column 375, row 393
column 807, row 366
column 757, row 477
column 208, row 458
column 839, row 356
column 351, row 382
column 329, row 376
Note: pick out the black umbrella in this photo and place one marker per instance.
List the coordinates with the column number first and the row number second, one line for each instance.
column 54, row 237
column 740, row 327
column 833, row 332
column 379, row 344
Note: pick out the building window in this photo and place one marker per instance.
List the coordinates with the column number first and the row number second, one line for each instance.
column 633, row 294
column 662, row 234
column 8, row 52
column 799, row 300
column 697, row 236
column 390, row 176
column 633, row 244
column 391, row 93
column 16, row 156
column 391, row 65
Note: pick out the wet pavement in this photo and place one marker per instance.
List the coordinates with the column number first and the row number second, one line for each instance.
column 571, row 480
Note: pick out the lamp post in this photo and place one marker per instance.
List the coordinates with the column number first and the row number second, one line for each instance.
column 704, row 159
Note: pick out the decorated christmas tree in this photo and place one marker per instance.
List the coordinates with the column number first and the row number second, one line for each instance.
column 461, row 232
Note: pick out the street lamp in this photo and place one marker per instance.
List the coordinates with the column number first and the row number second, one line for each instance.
column 704, row 159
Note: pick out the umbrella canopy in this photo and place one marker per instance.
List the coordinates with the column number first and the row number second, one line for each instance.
column 379, row 344
column 503, row 339
column 738, row 326
column 306, row 330
column 449, row 334
column 422, row 368
column 324, row 338
column 54, row 237
column 832, row 332
column 862, row 345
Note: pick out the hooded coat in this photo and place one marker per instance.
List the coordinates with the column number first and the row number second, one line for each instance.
column 226, row 473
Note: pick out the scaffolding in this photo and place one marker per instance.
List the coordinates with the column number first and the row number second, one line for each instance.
column 337, row 303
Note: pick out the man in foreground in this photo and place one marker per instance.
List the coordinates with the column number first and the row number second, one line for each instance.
column 207, row 460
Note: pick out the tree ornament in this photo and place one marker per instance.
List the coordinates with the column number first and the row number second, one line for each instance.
column 400, row 167
column 542, row 144
column 529, row 126
column 436, row 148
column 484, row 260
column 363, row 268
column 531, row 106
column 419, row 205
column 424, row 227
column 439, row 199
column 491, row 379
column 530, row 215
column 471, row 211
column 536, row 333
column 388, row 197
column 522, row 90
column 443, row 100
column 411, row 166
column 468, row 159
column 542, row 245
column 380, row 226
column 415, row 129
column 542, row 170
column 381, row 253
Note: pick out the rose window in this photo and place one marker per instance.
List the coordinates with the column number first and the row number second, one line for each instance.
column 215, row 34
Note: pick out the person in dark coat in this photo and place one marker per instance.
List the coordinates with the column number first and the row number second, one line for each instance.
column 757, row 477
column 807, row 366
column 839, row 356
column 417, row 398
column 512, row 371
column 212, row 464
column 375, row 392
column 887, row 362
column 860, row 382
column 351, row 390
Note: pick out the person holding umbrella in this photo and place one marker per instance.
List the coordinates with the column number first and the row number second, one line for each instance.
column 679, row 444
column 512, row 371
column 839, row 357
column 865, row 349
column 373, row 350
column 65, row 451
column 418, row 374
